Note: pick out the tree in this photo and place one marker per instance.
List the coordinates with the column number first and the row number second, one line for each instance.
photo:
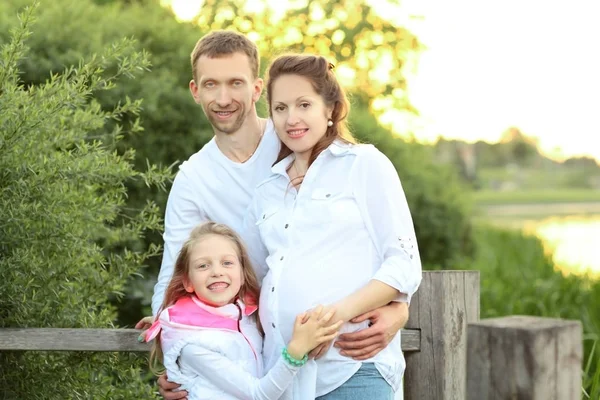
column 66, row 240
column 350, row 33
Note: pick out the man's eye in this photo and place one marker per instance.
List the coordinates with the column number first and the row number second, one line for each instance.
column 209, row 84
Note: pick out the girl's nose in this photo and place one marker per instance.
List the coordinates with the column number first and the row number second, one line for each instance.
column 217, row 270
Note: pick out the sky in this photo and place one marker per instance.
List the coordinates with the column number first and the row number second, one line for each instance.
column 493, row 64
column 524, row 63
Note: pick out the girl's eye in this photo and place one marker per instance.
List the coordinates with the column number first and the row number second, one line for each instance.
column 228, row 263
column 203, row 266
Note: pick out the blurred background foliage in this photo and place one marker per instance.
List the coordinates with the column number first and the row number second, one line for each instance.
column 517, row 276
column 174, row 127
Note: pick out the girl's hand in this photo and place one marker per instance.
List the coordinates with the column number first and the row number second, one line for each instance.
column 312, row 329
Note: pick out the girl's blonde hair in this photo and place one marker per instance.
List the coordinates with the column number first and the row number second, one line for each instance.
column 249, row 290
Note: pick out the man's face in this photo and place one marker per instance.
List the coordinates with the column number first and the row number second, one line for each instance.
column 226, row 90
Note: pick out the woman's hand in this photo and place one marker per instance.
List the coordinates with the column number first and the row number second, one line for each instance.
column 312, row 329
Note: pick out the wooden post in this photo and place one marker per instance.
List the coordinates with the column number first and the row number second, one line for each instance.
column 522, row 357
column 445, row 302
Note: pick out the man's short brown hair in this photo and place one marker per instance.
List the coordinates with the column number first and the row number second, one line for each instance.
column 223, row 43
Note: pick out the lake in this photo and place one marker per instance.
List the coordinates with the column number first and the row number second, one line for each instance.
column 571, row 235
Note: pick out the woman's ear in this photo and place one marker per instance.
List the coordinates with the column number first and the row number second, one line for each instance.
column 329, row 111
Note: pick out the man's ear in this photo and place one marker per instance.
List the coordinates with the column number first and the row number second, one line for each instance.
column 194, row 91
column 258, row 88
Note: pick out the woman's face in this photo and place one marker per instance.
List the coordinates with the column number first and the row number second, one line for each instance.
column 299, row 113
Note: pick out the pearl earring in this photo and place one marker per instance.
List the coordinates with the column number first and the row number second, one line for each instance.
column 330, row 123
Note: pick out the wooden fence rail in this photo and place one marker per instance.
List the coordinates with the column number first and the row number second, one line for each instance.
column 504, row 358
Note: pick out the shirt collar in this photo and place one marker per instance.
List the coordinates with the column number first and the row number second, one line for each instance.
column 338, row 148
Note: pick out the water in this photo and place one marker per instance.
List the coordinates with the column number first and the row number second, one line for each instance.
column 574, row 240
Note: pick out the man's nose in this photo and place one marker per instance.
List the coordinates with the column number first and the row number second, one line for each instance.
column 223, row 97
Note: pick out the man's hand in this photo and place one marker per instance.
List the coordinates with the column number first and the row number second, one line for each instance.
column 144, row 324
column 385, row 322
column 165, row 388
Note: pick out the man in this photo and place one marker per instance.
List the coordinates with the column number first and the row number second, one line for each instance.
column 217, row 183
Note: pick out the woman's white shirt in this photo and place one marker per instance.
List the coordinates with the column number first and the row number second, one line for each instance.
column 349, row 223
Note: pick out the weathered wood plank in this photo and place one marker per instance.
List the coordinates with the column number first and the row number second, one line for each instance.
column 524, row 357
column 60, row 339
column 445, row 302
column 64, row 339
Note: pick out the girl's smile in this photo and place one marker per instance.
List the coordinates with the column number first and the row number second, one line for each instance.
column 215, row 273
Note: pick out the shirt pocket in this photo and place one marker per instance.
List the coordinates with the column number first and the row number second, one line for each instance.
column 267, row 225
column 330, row 205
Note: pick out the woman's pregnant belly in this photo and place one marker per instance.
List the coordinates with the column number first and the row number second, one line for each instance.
column 302, row 288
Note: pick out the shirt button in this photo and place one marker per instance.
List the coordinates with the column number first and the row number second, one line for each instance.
column 272, row 324
column 286, row 226
column 281, row 259
column 273, row 289
column 328, row 195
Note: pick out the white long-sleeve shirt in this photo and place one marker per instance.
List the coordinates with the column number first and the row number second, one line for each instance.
column 215, row 353
column 349, row 223
column 210, row 187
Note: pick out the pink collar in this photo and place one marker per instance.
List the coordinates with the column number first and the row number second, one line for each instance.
column 191, row 311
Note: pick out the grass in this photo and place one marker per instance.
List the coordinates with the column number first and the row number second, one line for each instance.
column 519, row 278
column 490, row 197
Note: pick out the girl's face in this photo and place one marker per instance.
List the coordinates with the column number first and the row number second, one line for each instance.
column 215, row 273
column 299, row 113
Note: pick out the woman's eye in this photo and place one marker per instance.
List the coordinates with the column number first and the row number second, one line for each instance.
column 305, row 105
column 279, row 108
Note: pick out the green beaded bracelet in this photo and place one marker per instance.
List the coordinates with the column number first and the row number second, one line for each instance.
column 291, row 360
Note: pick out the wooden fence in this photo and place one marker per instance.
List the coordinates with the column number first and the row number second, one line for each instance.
column 516, row 357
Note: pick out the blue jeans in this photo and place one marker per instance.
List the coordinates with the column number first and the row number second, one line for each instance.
column 366, row 384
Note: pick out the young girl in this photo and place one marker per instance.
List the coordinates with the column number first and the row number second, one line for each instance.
column 207, row 330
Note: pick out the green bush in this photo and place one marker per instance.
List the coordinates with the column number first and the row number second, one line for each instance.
column 175, row 127
column 66, row 240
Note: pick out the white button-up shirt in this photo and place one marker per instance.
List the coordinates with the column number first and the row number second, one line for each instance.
column 348, row 223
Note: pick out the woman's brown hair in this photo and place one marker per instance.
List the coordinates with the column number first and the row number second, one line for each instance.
column 249, row 290
column 320, row 73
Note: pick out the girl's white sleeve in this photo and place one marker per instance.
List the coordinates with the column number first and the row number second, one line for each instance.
column 232, row 379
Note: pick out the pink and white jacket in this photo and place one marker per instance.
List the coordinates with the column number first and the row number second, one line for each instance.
column 216, row 352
